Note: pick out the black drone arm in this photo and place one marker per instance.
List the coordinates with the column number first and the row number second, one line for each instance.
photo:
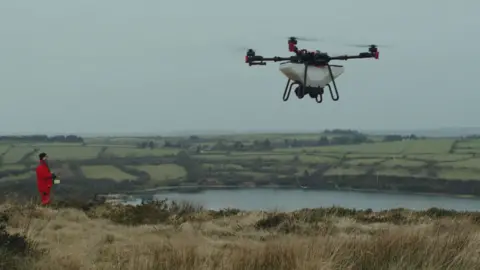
column 260, row 60
column 359, row 56
column 308, row 58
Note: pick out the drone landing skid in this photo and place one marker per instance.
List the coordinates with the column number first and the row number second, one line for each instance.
column 310, row 80
column 314, row 92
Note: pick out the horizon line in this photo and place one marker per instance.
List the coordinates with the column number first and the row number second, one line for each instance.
column 214, row 132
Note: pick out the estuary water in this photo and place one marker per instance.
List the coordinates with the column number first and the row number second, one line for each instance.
column 289, row 200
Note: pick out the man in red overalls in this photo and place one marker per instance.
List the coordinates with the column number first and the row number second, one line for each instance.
column 44, row 179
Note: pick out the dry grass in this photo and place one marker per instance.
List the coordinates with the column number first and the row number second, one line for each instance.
column 181, row 236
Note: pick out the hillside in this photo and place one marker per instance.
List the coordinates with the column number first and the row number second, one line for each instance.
column 338, row 159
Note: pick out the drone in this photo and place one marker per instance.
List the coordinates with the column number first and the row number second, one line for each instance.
column 310, row 71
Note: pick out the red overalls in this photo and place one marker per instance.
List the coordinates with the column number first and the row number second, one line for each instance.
column 44, row 181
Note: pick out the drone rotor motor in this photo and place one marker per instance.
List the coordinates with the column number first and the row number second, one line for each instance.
column 250, row 54
column 292, row 42
column 374, row 51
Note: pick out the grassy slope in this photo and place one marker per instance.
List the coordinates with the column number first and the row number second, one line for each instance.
column 185, row 237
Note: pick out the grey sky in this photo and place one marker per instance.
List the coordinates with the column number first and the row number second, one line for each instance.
column 146, row 66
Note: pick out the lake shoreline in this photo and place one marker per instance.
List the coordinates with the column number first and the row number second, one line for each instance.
column 290, row 199
column 202, row 189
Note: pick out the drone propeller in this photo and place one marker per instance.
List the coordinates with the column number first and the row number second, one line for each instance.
column 241, row 48
column 368, row 45
column 305, row 38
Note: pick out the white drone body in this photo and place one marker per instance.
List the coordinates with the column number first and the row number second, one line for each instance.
column 316, row 76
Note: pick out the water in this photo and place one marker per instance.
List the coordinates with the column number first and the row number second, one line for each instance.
column 288, row 200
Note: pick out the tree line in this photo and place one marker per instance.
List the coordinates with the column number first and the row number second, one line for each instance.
column 43, row 138
column 328, row 137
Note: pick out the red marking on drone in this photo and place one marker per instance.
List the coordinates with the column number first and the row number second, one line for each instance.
column 291, row 47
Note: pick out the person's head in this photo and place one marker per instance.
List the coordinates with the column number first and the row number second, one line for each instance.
column 43, row 156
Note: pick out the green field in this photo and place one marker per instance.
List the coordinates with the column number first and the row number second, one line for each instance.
column 105, row 171
column 135, row 152
column 160, row 173
column 68, row 152
column 15, row 154
column 267, row 158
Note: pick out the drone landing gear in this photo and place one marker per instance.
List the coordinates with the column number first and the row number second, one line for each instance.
column 314, row 92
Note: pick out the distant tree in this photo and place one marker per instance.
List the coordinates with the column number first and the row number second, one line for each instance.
column 182, row 158
column 44, row 138
column 184, row 144
column 323, row 141
column 267, row 144
column 341, row 132
column 151, row 144
column 74, row 139
column 359, row 138
column 296, row 143
column 194, row 138
column 238, row 145
column 194, row 169
column 170, row 144
column 142, row 145
column 220, row 146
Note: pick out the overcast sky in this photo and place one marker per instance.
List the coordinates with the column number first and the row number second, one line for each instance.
column 152, row 66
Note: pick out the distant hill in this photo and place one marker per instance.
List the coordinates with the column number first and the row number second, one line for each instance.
column 437, row 132
column 434, row 132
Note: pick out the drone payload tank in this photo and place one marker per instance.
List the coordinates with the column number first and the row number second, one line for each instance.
column 317, row 76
